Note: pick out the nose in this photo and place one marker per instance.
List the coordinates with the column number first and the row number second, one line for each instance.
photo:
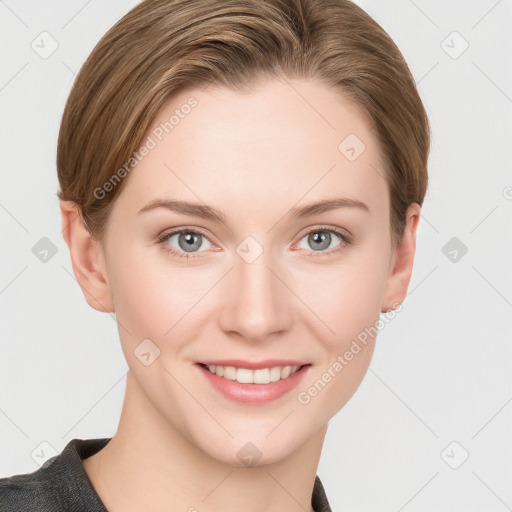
column 256, row 302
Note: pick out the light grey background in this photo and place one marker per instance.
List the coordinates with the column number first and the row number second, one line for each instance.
column 439, row 385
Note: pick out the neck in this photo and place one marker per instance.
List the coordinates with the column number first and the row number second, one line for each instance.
column 149, row 465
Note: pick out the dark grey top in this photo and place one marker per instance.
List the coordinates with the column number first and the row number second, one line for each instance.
column 62, row 485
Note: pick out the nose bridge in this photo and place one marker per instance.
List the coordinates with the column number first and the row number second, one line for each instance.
column 257, row 302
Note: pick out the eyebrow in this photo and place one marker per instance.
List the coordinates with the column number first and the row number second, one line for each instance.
column 210, row 213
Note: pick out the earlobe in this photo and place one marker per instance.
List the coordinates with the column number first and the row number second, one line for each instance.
column 87, row 259
column 402, row 262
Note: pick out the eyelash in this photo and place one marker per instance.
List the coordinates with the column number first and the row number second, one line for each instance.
column 345, row 240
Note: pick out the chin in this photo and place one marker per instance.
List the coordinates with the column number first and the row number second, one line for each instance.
column 253, row 451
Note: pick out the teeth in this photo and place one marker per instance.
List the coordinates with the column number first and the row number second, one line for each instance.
column 260, row 376
column 229, row 372
column 244, row 376
column 275, row 374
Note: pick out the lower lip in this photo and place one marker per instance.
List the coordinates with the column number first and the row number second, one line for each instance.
column 254, row 393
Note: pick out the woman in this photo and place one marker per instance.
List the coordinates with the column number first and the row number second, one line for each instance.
column 241, row 184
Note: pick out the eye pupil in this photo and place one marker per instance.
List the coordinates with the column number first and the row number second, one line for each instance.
column 320, row 237
column 190, row 244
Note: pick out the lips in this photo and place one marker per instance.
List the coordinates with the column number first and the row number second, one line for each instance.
column 248, row 376
column 264, row 382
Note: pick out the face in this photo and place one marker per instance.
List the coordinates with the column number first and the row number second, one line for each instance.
column 265, row 280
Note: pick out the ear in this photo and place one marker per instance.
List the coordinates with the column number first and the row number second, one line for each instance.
column 87, row 258
column 402, row 262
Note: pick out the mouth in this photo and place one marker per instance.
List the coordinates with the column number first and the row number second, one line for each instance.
column 250, row 376
column 267, row 382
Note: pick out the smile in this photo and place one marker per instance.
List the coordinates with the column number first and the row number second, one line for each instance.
column 248, row 376
column 265, row 383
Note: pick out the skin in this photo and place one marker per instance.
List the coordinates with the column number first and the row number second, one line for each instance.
column 254, row 156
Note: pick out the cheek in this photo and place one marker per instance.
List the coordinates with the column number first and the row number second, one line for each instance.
column 345, row 301
column 151, row 295
column 345, row 322
column 344, row 298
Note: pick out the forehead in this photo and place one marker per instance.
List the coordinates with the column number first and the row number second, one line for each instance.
column 285, row 142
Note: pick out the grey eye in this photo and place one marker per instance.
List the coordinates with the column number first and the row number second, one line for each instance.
column 188, row 241
column 319, row 240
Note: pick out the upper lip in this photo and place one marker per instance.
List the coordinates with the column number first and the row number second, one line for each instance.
column 255, row 365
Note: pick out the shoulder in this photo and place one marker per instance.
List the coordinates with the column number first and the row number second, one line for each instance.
column 30, row 491
column 60, row 484
column 319, row 500
column 25, row 493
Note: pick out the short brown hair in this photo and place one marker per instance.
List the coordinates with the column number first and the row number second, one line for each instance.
column 162, row 47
